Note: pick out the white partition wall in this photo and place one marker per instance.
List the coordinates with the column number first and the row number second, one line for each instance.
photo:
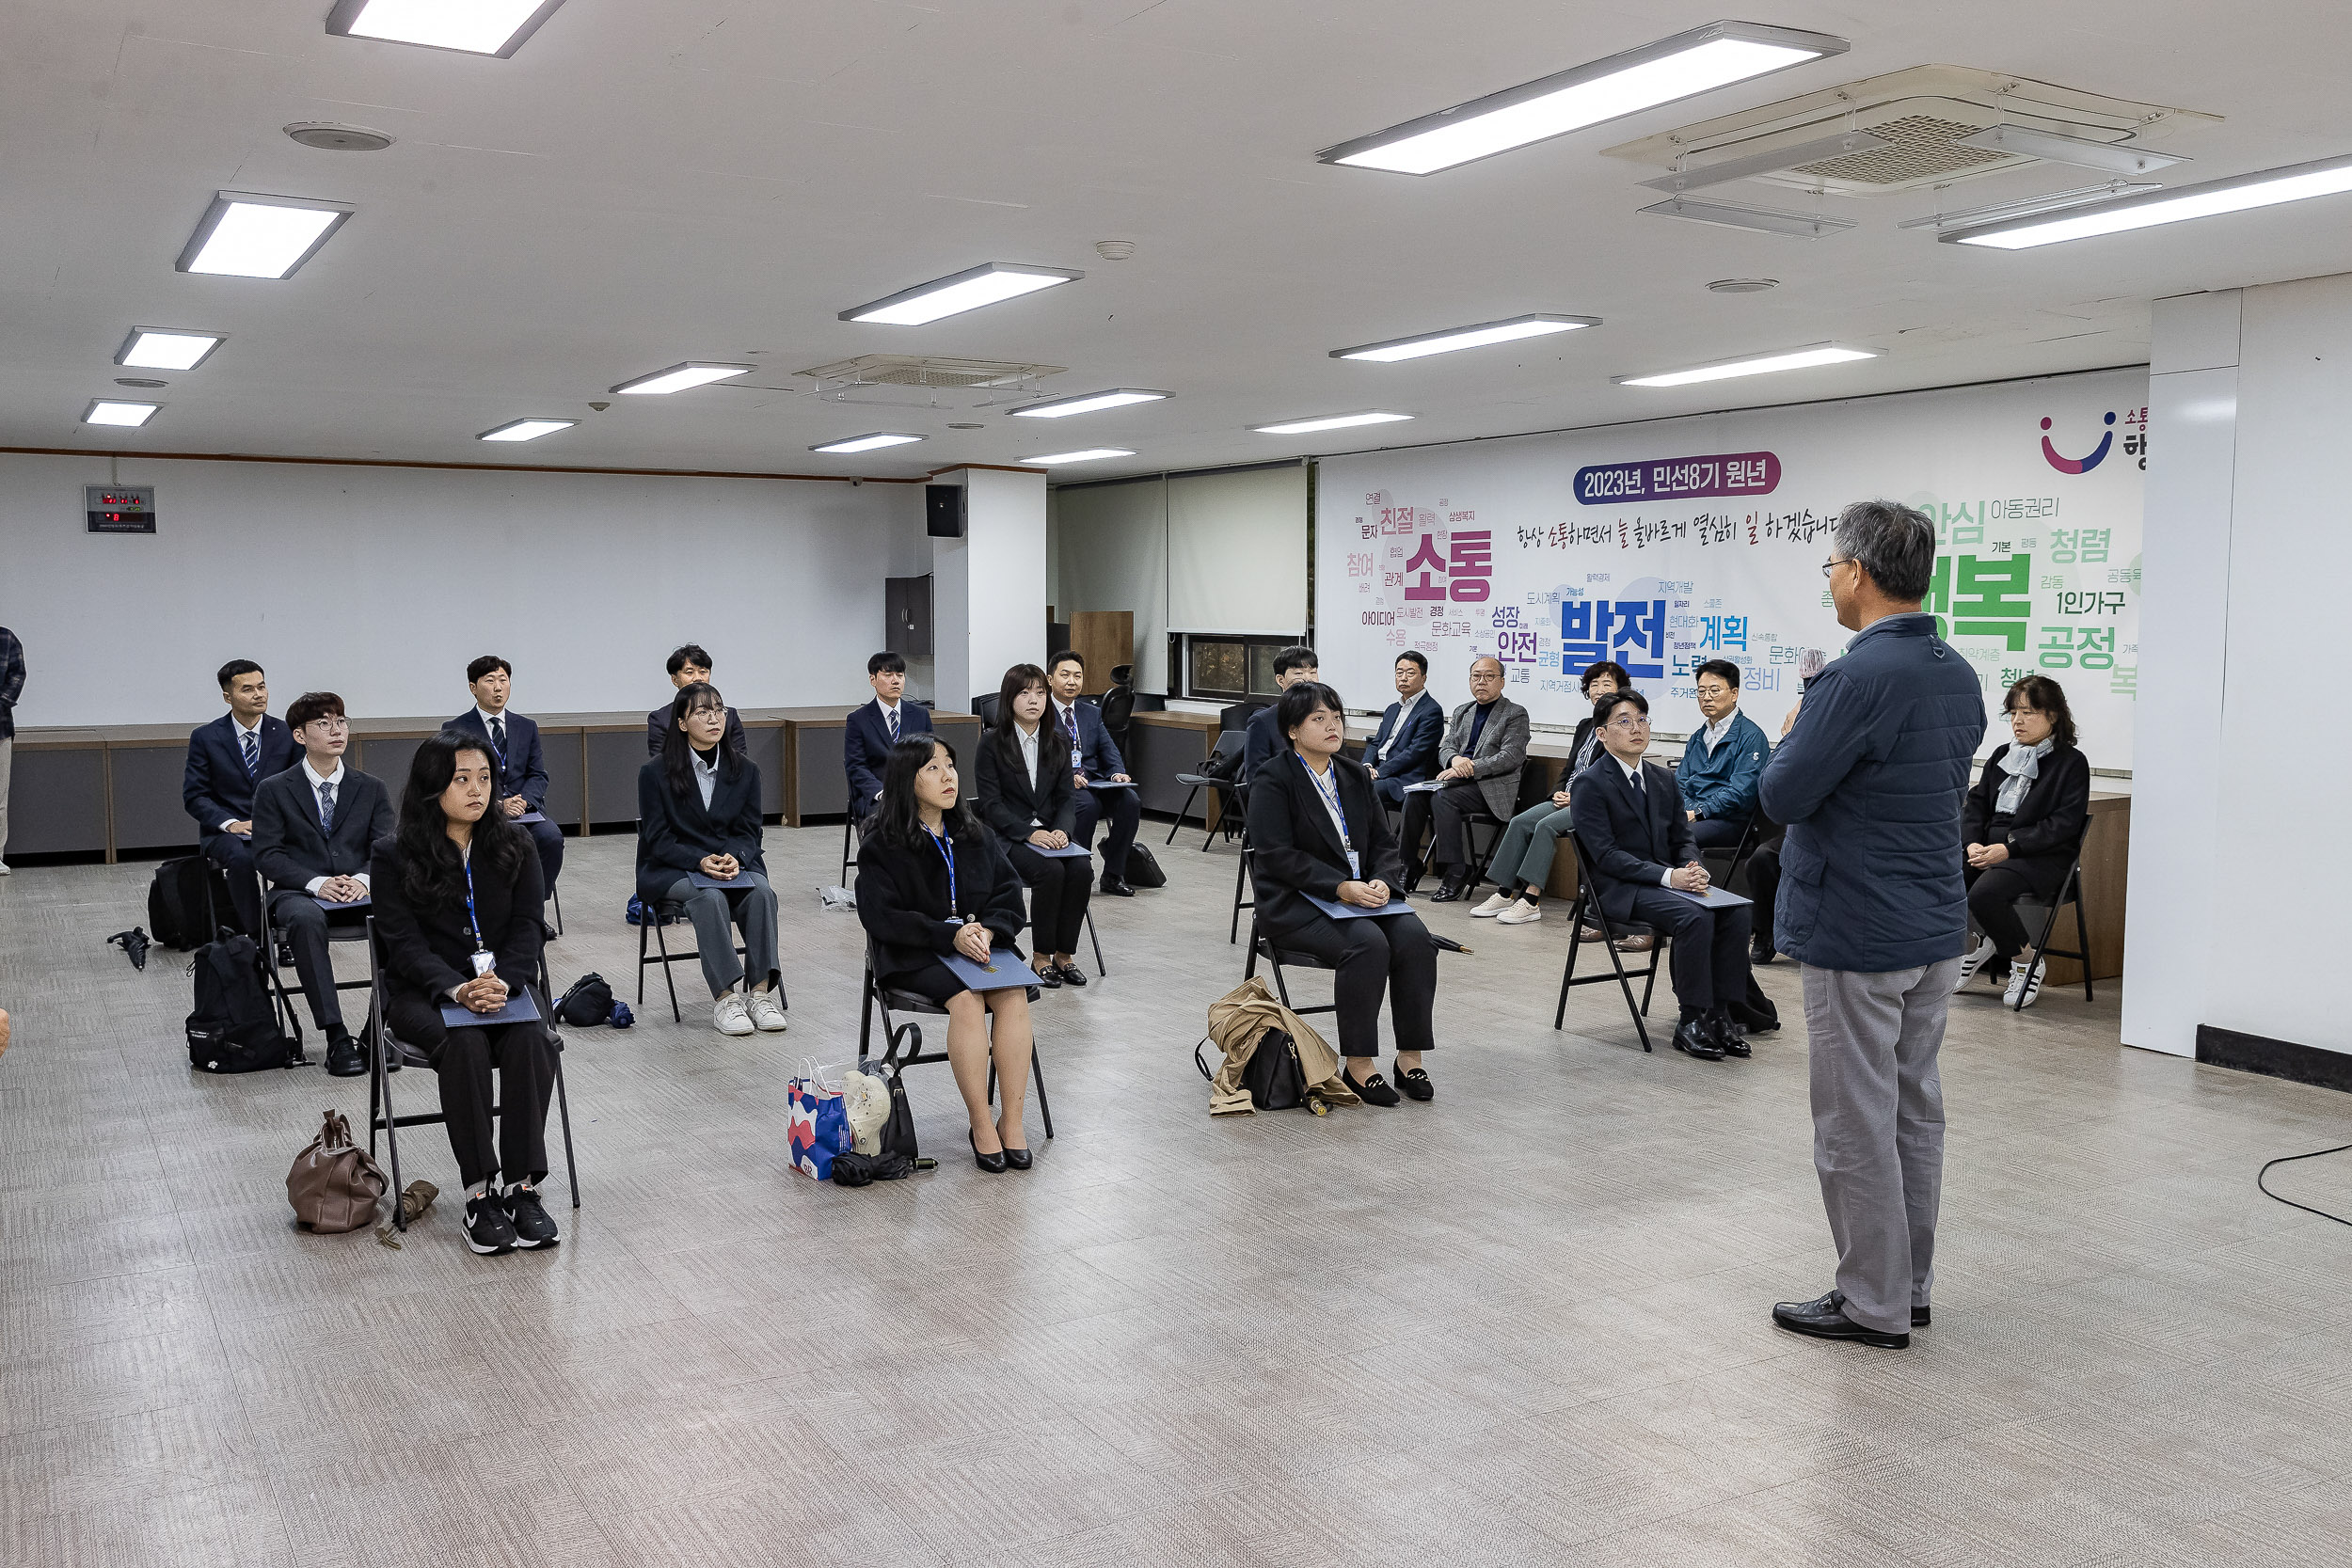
column 988, row 588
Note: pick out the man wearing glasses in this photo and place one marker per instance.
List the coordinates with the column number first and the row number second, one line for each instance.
column 1484, row 748
column 1630, row 819
column 313, row 827
column 1870, row 776
column 1721, row 763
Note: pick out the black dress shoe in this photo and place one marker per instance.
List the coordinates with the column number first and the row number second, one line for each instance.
column 1016, row 1158
column 1692, row 1037
column 996, row 1163
column 1729, row 1037
column 1373, row 1091
column 1071, row 975
column 342, row 1054
column 547, row 932
column 1762, row 952
column 1824, row 1318
column 1417, row 1085
column 1451, row 890
column 1919, row 1315
column 1048, row 975
column 1116, row 887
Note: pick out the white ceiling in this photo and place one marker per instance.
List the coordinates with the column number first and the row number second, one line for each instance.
column 644, row 183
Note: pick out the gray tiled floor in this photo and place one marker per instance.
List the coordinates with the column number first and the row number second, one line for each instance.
column 1524, row 1324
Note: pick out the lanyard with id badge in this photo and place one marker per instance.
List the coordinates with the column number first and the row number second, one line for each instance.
column 484, row 960
column 1327, row 786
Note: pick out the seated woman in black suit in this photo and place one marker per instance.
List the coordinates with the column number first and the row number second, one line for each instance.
column 1315, row 827
column 932, row 880
column 698, row 811
column 1024, row 791
column 458, row 903
column 2019, row 830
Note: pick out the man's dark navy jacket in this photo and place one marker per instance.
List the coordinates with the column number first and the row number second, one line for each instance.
column 217, row 788
column 866, row 747
column 1097, row 757
column 521, row 769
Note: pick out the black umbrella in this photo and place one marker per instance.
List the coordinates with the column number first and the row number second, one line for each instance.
column 134, row 944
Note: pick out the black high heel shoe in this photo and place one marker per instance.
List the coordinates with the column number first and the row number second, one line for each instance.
column 1016, row 1158
column 994, row 1164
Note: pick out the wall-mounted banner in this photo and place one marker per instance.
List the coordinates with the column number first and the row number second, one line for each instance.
column 1664, row 545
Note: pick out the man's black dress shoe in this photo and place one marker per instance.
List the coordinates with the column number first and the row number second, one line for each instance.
column 996, row 1163
column 1762, row 952
column 1729, row 1036
column 1116, row 887
column 342, row 1054
column 547, row 932
column 1824, row 1318
column 1692, row 1037
column 1416, row 1085
column 1454, row 888
column 1919, row 1316
column 1410, row 886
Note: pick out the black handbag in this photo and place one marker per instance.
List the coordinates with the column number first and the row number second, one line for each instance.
column 1142, row 870
column 1275, row 1080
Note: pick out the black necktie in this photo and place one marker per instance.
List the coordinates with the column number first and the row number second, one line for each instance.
column 327, row 809
column 252, row 756
column 1640, row 789
column 498, row 735
column 894, row 726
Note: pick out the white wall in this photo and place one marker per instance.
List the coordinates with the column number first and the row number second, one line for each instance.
column 1110, row 552
column 381, row 583
column 2246, row 558
column 988, row 588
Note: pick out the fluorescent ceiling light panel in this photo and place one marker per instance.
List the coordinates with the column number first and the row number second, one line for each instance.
column 495, row 28
column 244, row 235
column 1058, row 407
column 1842, row 146
column 108, row 411
column 968, row 290
column 1333, row 421
column 1680, row 67
column 867, row 443
column 1088, row 456
column 2052, row 148
column 677, row 378
column 160, row 348
column 1730, row 214
column 1758, row 364
column 1464, row 337
column 525, row 430
column 2295, row 182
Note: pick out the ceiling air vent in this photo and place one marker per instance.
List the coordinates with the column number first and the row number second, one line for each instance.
column 903, row 370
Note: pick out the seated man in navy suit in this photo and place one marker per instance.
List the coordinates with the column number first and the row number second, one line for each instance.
column 227, row 758
column 1630, row 819
column 877, row 727
column 1404, row 748
column 522, row 771
column 1094, row 760
column 688, row 665
column 1265, row 740
column 315, row 827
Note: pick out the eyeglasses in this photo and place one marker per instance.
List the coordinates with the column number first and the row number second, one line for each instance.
column 1715, row 691
column 1629, row 724
column 1835, row 561
column 332, row 723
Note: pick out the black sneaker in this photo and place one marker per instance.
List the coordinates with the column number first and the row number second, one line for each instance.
column 533, row 1229
column 1374, row 1090
column 1417, row 1085
column 488, row 1230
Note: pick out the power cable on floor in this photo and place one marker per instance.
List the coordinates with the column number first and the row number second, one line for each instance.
column 2289, row 1159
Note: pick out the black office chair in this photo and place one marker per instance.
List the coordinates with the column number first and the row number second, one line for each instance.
column 1588, row 908
column 1118, row 707
column 653, row 918
column 337, row 934
column 2070, row 892
column 985, row 706
column 385, row 1050
column 910, row 1034
column 1229, row 743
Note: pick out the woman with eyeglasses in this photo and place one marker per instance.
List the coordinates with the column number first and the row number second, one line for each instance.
column 2024, row 819
column 933, row 882
column 1522, row 861
column 1027, row 792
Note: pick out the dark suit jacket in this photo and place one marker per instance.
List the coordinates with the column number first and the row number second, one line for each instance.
column 1265, row 741
column 673, row 833
column 1295, row 850
column 522, row 771
column 217, row 788
column 902, row 900
column 1005, row 797
column 866, row 747
column 1633, row 841
column 426, row 951
column 1097, row 757
column 658, row 731
column 288, row 848
column 2047, row 821
column 1415, row 758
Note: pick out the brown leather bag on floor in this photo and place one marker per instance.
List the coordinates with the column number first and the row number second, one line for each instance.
column 333, row 1185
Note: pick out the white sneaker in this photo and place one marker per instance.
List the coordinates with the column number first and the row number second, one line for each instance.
column 1973, row 961
column 1520, row 914
column 2025, row 985
column 766, row 1014
column 4, row 868
column 1492, row 907
column 730, row 1016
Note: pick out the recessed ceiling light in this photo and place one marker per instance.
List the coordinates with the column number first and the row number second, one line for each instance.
column 1742, row 285
column 1330, row 422
column 1687, row 64
column 108, row 411
column 1088, row 456
column 965, row 291
column 2052, row 148
column 867, row 443
column 1755, row 364
column 1843, row 146
column 525, row 430
column 244, row 235
column 677, row 378
column 495, row 28
column 143, row 383
column 1730, row 214
column 2295, row 182
column 160, row 348
column 329, row 136
column 1465, row 336
column 1088, row 403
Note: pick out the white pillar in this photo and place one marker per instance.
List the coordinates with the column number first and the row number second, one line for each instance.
column 988, row 588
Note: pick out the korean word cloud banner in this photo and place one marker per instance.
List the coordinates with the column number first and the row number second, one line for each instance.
column 1666, row 543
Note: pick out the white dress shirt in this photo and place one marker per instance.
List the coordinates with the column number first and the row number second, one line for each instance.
column 242, row 730
column 706, row 773
column 1641, row 788
column 333, row 783
column 1403, row 711
column 1327, row 789
column 1029, row 740
column 1715, row 732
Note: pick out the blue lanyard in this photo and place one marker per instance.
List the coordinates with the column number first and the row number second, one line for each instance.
column 948, row 853
column 1330, row 791
column 467, row 859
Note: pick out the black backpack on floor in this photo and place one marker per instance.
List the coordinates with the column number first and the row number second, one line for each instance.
column 234, row 1029
column 589, row 1003
column 183, row 899
column 1142, row 870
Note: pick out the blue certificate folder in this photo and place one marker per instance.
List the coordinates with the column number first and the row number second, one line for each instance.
column 1002, row 972
column 531, row 817
column 329, row 903
column 698, row 879
column 520, row 1008
column 1713, row 899
column 1107, row 784
column 1071, row 852
column 1338, row 910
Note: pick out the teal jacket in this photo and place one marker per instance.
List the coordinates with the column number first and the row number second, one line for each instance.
column 1724, row 785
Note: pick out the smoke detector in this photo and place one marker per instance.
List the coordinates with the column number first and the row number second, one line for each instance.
column 1742, row 285
column 330, row 138
column 1114, row 250
column 1925, row 127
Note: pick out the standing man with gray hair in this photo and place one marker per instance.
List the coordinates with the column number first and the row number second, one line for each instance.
column 1870, row 776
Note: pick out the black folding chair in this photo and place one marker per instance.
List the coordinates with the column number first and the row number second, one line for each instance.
column 1750, row 836
column 1588, row 908
column 904, row 1040
column 281, row 994
column 654, row 918
column 1227, row 743
column 1241, row 884
column 2070, row 892
column 555, row 896
column 849, row 845
column 1263, row 945
column 385, row 1049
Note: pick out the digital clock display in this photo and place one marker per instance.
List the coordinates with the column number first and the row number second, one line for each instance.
column 119, row 508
